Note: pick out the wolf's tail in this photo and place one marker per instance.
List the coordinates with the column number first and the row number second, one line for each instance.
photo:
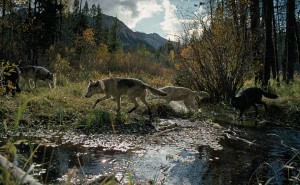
column 156, row 91
column 203, row 94
column 270, row 95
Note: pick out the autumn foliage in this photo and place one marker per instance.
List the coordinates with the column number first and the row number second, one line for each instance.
column 217, row 60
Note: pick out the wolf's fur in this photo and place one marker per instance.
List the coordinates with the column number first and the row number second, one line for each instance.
column 250, row 97
column 186, row 95
column 38, row 73
column 116, row 87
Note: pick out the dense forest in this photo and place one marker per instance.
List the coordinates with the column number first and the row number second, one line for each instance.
column 225, row 45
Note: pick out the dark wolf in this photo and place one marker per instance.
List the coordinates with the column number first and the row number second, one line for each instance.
column 116, row 87
column 9, row 78
column 250, row 97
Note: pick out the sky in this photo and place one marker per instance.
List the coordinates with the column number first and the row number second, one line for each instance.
column 163, row 17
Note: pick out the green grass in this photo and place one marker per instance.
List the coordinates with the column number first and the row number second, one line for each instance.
column 67, row 107
column 64, row 106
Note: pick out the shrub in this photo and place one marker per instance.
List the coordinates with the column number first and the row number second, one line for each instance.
column 217, row 60
column 96, row 119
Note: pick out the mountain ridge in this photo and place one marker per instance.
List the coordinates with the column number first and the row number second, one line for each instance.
column 131, row 39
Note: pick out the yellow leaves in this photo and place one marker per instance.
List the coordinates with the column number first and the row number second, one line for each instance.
column 187, row 52
column 89, row 36
column 172, row 56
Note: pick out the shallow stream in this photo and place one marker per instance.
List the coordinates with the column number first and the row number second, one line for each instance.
column 179, row 152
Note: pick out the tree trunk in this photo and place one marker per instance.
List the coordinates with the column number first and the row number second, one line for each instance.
column 291, row 39
column 284, row 61
column 255, row 39
column 3, row 8
column 275, row 69
column 269, row 46
column 234, row 14
column 298, row 41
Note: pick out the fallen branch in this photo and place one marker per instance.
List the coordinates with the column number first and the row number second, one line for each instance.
column 18, row 173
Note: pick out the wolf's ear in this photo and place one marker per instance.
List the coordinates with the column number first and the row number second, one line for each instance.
column 91, row 81
column 101, row 84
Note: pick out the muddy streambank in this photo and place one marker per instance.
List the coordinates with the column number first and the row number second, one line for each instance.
column 176, row 151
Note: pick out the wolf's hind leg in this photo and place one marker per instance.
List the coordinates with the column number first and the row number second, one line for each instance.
column 264, row 104
column 190, row 102
column 135, row 104
column 256, row 110
column 143, row 99
column 187, row 105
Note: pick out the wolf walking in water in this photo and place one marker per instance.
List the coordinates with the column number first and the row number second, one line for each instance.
column 38, row 73
column 116, row 87
column 186, row 95
column 250, row 97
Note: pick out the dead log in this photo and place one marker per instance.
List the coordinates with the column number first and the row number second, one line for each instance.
column 18, row 173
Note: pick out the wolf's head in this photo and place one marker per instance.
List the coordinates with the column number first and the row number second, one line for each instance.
column 95, row 87
column 51, row 78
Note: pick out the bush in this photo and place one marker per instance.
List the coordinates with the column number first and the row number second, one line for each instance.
column 96, row 118
column 217, row 60
column 62, row 80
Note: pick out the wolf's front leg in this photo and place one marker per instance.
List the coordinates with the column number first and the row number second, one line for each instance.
column 118, row 99
column 34, row 83
column 100, row 99
column 28, row 83
column 50, row 86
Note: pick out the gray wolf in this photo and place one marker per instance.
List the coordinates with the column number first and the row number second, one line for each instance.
column 116, row 87
column 186, row 95
column 250, row 97
column 38, row 73
column 9, row 78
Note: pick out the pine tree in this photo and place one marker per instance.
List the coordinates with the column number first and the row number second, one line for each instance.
column 114, row 43
column 80, row 19
column 99, row 32
column 93, row 13
column 85, row 10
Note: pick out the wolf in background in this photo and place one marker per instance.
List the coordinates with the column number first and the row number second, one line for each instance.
column 186, row 95
column 250, row 97
column 116, row 87
column 38, row 73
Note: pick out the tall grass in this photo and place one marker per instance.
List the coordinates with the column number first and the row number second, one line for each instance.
column 21, row 109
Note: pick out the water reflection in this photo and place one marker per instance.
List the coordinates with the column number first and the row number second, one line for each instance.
column 195, row 153
column 265, row 160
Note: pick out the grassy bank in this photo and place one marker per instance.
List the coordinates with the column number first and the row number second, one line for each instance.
column 65, row 107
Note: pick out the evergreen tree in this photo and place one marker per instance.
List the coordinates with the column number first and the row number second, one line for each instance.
column 76, row 7
column 99, row 32
column 85, row 10
column 80, row 18
column 93, row 13
column 114, row 43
